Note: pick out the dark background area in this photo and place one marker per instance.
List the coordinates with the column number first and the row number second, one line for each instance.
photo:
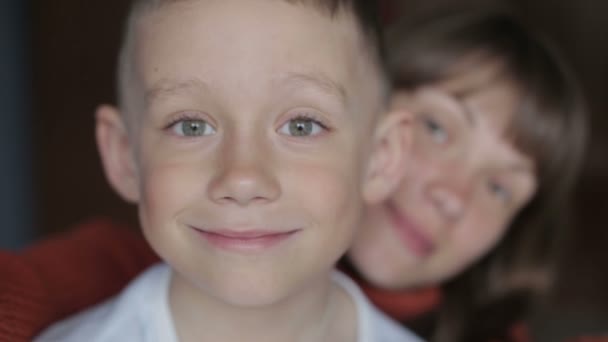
column 72, row 48
column 15, row 150
column 75, row 43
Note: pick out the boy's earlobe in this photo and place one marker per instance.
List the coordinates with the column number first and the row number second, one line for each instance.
column 116, row 152
column 390, row 156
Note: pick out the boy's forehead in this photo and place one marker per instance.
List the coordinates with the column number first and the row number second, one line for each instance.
column 198, row 43
column 231, row 9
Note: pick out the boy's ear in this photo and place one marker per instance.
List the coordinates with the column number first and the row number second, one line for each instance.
column 116, row 152
column 390, row 154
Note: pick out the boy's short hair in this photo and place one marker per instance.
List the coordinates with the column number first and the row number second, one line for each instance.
column 365, row 13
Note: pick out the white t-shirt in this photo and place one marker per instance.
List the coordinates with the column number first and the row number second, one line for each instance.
column 141, row 313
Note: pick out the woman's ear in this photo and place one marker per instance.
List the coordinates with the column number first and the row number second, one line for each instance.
column 116, row 152
column 390, row 154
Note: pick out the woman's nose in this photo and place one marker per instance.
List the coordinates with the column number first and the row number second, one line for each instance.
column 450, row 197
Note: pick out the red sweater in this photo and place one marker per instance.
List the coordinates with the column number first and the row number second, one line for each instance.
column 60, row 276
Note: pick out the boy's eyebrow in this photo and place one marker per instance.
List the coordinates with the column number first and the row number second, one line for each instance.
column 167, row 87
column 317, row 80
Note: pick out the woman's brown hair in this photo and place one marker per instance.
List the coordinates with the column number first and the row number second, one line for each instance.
column 550, row 126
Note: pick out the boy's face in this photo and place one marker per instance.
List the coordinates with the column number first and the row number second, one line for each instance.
column 250, row 152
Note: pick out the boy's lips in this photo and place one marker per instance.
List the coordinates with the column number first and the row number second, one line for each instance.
column 411, row 235
column 252, row 240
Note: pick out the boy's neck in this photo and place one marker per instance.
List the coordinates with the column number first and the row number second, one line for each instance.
column 322, row 312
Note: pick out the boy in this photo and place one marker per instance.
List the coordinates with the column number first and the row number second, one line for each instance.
column 247, row 137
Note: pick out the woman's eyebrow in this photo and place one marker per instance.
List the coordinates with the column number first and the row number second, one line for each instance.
column 465, row 109
column 456, row 101
column 520, row 167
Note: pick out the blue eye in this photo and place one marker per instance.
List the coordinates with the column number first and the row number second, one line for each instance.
column 499, row 191
column 435, row 130
column 302, row 127
column 192, row 128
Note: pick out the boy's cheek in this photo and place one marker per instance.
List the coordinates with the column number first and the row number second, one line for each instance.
column 168, row 184
column 333, row 191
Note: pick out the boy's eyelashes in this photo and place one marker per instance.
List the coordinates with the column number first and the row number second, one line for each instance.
column 189, row 124
column 298, row 124
column 304, row 124
column 192, row 128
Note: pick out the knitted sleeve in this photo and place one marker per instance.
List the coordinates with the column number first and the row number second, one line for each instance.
column 65, row 274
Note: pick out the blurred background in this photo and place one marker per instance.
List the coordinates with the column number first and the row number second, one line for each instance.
column 57, row 61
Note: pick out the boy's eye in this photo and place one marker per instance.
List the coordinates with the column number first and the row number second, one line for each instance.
column 435, row 130
column 192, row 128
column 499, row 191
column 302, row 127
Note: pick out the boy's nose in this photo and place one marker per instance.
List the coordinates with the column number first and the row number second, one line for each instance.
column 245, row 176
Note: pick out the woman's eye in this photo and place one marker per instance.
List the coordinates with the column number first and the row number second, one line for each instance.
column 192, row 128
column 302, row 127
column 499, row 191
column 435, row 130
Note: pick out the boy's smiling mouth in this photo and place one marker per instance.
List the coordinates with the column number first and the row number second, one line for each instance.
column 246, row 240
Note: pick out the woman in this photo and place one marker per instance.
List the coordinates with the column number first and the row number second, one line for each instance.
column 499, row 134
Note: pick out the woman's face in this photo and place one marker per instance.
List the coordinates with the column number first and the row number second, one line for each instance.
column 466, row 182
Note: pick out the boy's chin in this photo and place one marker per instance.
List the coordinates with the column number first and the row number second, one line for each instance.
column 254, row 290
column 251, row 298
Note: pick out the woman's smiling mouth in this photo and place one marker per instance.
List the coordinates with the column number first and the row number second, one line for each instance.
column 410, row 234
